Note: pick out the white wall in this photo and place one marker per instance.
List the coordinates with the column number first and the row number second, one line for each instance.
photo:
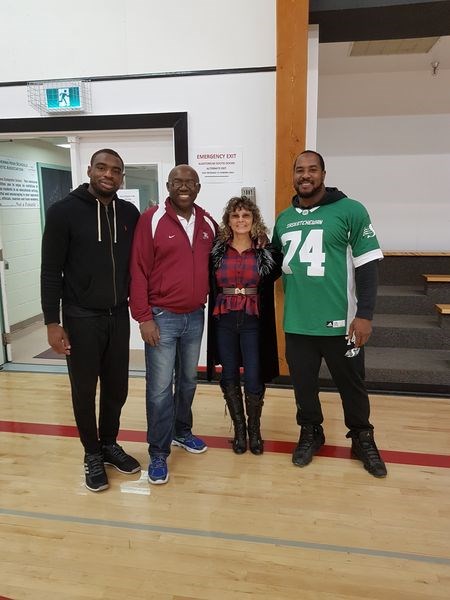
column 384, row 94
column 375, row 130
column 236, row 111
column 51, row 40
column 232, row 110
column 384, row 135
column 386, row 142
column 21, row 232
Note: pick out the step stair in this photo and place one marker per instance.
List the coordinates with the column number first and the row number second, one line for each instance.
column 408, row 370
column 409, row 349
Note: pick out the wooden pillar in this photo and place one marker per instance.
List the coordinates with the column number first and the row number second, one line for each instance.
column 292, row 57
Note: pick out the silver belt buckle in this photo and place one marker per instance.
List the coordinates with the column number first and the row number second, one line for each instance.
column 239, row 291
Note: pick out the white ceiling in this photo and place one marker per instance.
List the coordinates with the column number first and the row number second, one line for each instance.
column 335, row 59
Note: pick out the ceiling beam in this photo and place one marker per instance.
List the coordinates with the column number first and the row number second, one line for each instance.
column 350, row 21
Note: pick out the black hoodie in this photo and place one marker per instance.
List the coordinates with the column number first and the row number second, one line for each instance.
column 331, row 195
column 85, row 254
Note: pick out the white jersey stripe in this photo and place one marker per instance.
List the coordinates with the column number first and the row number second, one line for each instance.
column 351, row 290
column 367, row 257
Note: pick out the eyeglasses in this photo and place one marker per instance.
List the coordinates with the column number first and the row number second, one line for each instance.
column 189, row 183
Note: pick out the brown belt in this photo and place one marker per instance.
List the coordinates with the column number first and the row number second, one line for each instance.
column 240, row 291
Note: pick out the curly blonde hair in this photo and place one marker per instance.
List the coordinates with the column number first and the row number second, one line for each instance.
column 237, row 203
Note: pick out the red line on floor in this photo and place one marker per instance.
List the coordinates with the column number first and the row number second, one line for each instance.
column 131, row 435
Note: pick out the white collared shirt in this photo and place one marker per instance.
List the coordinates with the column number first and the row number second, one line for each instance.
column 188, row 226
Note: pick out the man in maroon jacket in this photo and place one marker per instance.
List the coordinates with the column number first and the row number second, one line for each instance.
column 169, row 287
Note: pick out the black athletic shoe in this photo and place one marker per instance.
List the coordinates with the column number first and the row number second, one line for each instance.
column 94, row 469
column 365, row 449
column 310, row 441
column 114, row 455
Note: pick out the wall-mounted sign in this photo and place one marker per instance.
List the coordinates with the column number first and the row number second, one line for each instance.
column 61, row 98
column 218, row 165
column 18, row 183
column 130, row 196
column 53, row 97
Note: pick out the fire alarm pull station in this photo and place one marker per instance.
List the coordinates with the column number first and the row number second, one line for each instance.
column 249, row 192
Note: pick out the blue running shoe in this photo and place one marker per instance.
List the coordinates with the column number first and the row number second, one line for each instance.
column 191, row 443
column 157, row 470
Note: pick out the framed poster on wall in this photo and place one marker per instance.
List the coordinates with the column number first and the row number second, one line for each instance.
column 55, row 182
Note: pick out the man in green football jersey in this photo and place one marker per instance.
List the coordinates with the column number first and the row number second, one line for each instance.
column 330, row 279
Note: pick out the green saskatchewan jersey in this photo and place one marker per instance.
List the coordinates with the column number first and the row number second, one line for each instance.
column 321, row 248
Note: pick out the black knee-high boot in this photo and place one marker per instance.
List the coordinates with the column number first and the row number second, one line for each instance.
column 253, row 405
column 233, row 397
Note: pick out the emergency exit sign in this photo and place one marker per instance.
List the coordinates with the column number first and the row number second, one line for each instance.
column 61, row 99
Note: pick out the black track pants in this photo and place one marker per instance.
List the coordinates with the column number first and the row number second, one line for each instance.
column 304, row 355
column 100, row 350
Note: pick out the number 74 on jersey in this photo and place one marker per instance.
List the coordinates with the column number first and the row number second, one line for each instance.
column 309, row 252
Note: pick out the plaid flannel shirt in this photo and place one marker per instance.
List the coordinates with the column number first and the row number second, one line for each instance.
column 237, row 270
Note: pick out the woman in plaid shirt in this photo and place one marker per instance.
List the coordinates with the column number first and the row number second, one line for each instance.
column 242, row 316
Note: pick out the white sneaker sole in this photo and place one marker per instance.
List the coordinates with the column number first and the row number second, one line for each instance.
column 99, row 489
column 158, row 481
column 191, row 450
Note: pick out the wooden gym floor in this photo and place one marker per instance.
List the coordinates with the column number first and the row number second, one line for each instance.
column 225, row 526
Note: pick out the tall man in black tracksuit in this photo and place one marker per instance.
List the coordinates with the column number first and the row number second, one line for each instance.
column 85, row 253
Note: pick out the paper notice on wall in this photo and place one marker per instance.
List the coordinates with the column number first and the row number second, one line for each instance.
column 130, row 195
column 18, row 183
column 218, row 165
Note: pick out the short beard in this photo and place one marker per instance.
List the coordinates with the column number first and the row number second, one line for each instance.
column 309, row 194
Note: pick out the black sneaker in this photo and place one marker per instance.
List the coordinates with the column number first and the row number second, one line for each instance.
column 114, row 455
column 94, row 469
column 365, row 449
column 310, row 441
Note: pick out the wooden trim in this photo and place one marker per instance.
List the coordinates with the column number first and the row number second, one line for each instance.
column 444, row 309
column 436, row 278
column 291, row 78
column 414, row 253
column 291, row 81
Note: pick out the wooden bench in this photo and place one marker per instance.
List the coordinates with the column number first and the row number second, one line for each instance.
column 443, row 310
column 437, row 285
column 436, row 278
column 406, row 268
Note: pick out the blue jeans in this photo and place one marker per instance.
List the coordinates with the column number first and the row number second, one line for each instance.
column 238, row 344
column 171, row 377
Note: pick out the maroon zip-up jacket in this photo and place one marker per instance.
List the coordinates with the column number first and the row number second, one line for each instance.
column 166, row 271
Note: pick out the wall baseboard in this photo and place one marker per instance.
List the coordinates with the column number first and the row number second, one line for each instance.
column 22, row 324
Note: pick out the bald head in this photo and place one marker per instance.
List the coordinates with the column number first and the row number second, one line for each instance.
column 183, row 186
column 186, row 169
